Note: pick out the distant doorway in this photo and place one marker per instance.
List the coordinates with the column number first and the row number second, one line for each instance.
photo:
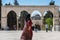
column 48, row 19
column 12, row 20
column 21, row 19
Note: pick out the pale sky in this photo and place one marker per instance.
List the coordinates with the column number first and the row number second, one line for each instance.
column 32, row 2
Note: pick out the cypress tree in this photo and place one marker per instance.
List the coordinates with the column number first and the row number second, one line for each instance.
column 52, row 2
column 16, row 2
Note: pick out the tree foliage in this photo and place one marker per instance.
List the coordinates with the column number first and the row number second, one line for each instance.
column 52, row 2
column 16, row 2
column 48, row 18
column 48, row 15
column 49, row 21
column 0, row 2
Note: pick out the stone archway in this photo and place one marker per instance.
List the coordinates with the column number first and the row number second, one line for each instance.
column 48, row 18
column 21, row 19
column 12, row 20
column 36, row 19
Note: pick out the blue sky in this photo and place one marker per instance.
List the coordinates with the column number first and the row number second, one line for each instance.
column 32, row 2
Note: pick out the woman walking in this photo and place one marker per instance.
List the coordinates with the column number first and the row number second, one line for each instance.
column 27, row 31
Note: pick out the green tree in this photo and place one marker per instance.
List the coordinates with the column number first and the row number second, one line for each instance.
column 16, row 2
column 48, row 15
column 49, row 21
column 52, row 2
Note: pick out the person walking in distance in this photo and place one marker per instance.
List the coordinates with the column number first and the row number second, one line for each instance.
column 51, row 28
column 46, row 26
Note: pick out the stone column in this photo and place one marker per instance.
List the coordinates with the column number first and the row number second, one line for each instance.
column 55, row 22
column 53, row 25
column 42, row 22
column 17, row 22
column 55, row 18
column 3, row 22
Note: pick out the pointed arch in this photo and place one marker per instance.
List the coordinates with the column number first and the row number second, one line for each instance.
column 36, row 15
column 48, row 18
column 22, row 18
column 12, row 20
column 36, row 12
column 48, row 12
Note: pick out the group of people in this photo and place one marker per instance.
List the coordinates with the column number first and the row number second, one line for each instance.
column 47, row 27
column 37, row 27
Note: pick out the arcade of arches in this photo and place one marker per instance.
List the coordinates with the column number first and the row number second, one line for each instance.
column 12, row 17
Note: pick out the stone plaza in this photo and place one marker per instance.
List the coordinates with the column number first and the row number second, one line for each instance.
column 40, row 35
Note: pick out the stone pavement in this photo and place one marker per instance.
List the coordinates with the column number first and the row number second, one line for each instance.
column 40, row 35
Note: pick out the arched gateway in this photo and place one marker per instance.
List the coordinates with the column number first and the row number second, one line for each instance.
column 12, row 20
column 6, row 11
